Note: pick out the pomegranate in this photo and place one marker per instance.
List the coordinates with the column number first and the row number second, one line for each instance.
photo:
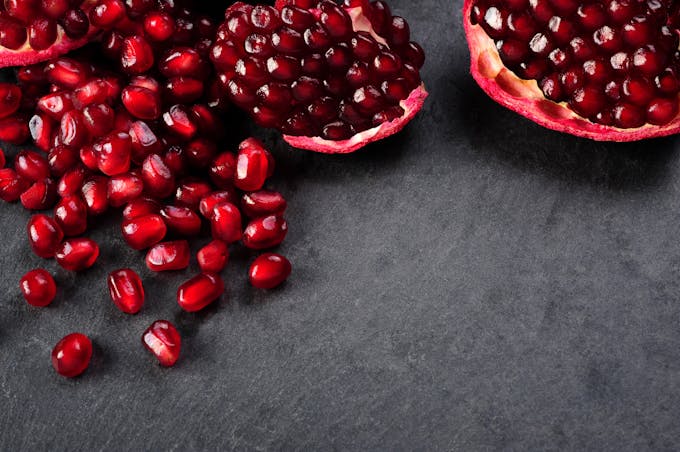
column 333, row 79
column 604, row 70
column 269, row 270
column 163, row 340
column 71, row 356
column 38, row 288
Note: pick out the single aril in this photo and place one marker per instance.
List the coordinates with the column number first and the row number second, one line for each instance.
column 266, row 232
column 10, row 99
column 61, row 160
column 144, row 231
column 142, row 103
column 72, row 181
column 41, row 128
column 31, row 165
column 124, row 188
column 38, row 288
column 99, row 119
column 56, row 104
column 113, row 153
column 323, row 74
column 183, row 90
column 269, row 271
column 71, row 356
column 73, row 130
column 70, row 213
column 95, row 193
column 200, row 152
column 126, row 290
column 263, row 203
column 199, row 292
column 213, row 257
column 253, row 165
column 208, row 203
column 137, row 55
column 182, row 62
column 226, row 223
column 159, row 181
column 159, row 26
column 604, row 70
column 181, row 220
column 163, row 340
column 168, row 256
column 223, row 169
column 190, row 192
column 44, row 235
column 14, row 130
column 140, row 207
column 77, row 254
column 40, row 196
column 144, row 141
column 67, row 73
column 179, row 122
column 12, row 186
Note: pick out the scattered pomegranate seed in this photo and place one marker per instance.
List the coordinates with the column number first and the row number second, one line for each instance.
column 44, row 235
column 77, row 254
column 71, row 356
column 163, row 340
column 263, row 203
column 126, row 290
column 266, row 232
column 168, row 256
column 213, row 257
column 145, row 231
column 200, row 291
column 269, row 270
column 226, row 223
column 253, row 165
column 38, row 288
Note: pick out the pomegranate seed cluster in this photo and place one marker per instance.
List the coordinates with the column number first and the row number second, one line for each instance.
column 305, row 71
column 614, row 62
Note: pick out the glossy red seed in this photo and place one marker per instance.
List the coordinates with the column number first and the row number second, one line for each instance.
column 181, row 220
column 159, row 26
column 106, row 13
column 113, row 153
column 31, row 165
column 142, row 103
column 10, row 99
column 77, row 254
column 67, row 73
column 38, row 288
column 199, row 292
column 223, row 169
column 72, row 129
column 190, row 193
column 126, row 290
column 140, row 207
column 72, row 181
column 163, row 341
column 95, row 193
column 168, row 256
column 208, row 203
column 144, row 141
column 213, row 257
column 253, row 165
column 136, row 55
column 145, row 231
column 179, row 122
column 44, row 235
column 226, row 223
column 181, row 62
column 266, row 232
column 263, row 203
column 71, row 356
column 56, row 104
column 61, row 160
column 40, row 196
column 70, row 213
column 200, row 152
column 12, row 185
column 124, row 188
column 14, row 130
column 269, row 270
column 159, row 181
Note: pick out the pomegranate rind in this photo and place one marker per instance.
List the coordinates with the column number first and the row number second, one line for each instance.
column 526, row 98
column 411, row 105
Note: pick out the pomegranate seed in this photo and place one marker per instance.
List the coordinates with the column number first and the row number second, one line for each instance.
column 38, row 288
column 77, row 254
column 40, row 196
column 183, row 90
column 200, row 152
column 178, row 121
column 124, row 188
column 55, row 104
column 190, row 192
column 181, row 62
column 253, row 165
column 226, row 223
column 10, row 99
column 12, row 185
column 141, row 102
column 32, row 166
column 73, row 129
column 207, row 204
column 159, row 26
column 163, row 341
column 106, row 13
column 61, row 160
column 140, row 207
column 145, row 231
column 113, row 153
column 75, row 23
column 266, row 232
column 95, row 194
column 213, row 257
column 70, row 213
column 175, row 159
column 223, row 169
column 168, row 256
column 44, row 235
column 200, row 291
column 67, row 73
column 71, row 356
column 12, row 35
column 14, row 130
column 126, row 290
column 98, row 119
column 158, row 180
column 97, row 91
column 181, row 220
column 144, row 141
column 136, row 55
column 72, row 181
column 263, row 203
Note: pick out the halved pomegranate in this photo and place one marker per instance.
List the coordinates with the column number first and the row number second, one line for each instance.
column 331, row 78
column 608, row 70
column 34, row 31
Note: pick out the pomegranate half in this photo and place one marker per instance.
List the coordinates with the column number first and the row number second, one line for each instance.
column 608, row 70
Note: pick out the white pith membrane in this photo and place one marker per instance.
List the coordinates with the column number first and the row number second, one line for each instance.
column 526, row 98
column 411, row 105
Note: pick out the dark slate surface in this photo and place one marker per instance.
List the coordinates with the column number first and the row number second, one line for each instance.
column 477, row 283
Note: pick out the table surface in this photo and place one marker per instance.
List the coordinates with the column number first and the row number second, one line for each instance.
column 475, row 283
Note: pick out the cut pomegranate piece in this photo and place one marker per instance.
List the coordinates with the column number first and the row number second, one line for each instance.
column 168, row 256
column 71, row 356
column 77, row 254
column 213, row 257
column 44, row 235
column 145, row 231
column 38, row 288
column 269, row 270
column 266, row 232
column 126, row 290
column 600, row 70
column 332, row 79
column 163, row 341
column 199, row 292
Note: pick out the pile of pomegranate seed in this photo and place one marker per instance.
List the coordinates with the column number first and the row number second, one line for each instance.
column 139, row 132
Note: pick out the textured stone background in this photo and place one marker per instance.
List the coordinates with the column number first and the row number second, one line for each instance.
column 477, row 283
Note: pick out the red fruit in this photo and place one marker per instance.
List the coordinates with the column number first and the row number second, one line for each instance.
column 213, row 257
column 168, row 256
column 144, row 141
column 556, row 65
column 71, row 356
column 226, row 223
column 99, row 119
column 70, row 213
column 200, row 152
column 14, row 130
column 179, row 122
column 44, row 235
column 38, row 288
column 126, row 290
column 77, row 254
column 73, row 129
column 190, row 193
column 269, row 270
column 159, row 26
column 95, row 194
column 143, row 232
column 107, row 13
column 136, row 55
column 181, row 220
column 67, row 73
column 252, row 166
column 199, row 292
column 300, row 74
column 72, row 181
column 112, row 153
column 266, row 232
column 182, row 62
column 140, row 207
column 55, row 105
column 141, row 102
column 62, row 159
column 223, row 169
column 12, row 186
column 10, row 99
column 263, row 203
column 124, row 188
column 207, row 204
column 158, row 179
column 40, row 196
column 41, row 128
column 31, row 165
column 163, row 341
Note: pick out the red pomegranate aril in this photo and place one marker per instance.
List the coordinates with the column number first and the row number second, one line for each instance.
column 175, row 159
column 124, row 188
column 126, row 290
column 99, row 119
column 40, row 196
column 12, row 35
column 56, row 104
column 181, row 62
column 144, row 141
column 38, row 288
column 67, row 73
column 106, row 13
column 113, row 153
column 137, row 55
column 41, row 128
column 14, row 130
column 158, row 180
column 199, row 292
column 223, row 169
column 72, row 181
column 73, row 131
column 141, row 102
column 200, row 152
column 88, row 157
column 159, row 26
column 269, row 271
column 77, row 254
column 183, row 90
column 95, row 194
column 661, row 111
column 42, row 33
column 266, row 232
column 253, row 165
column 181, row 220
column 141, row 207
column 226, row 223
column 163, row 341
column 44, row 235
column 190, row 193
column 12, row 185
column 263, row 203
column 168, row 256
column 10, row 99
column 71, row 356
column 144, row 231
column 178, row 121
column 70, row 213
column 213, row 257
column 208, row 203
column 31, row 165
column 75, row 23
